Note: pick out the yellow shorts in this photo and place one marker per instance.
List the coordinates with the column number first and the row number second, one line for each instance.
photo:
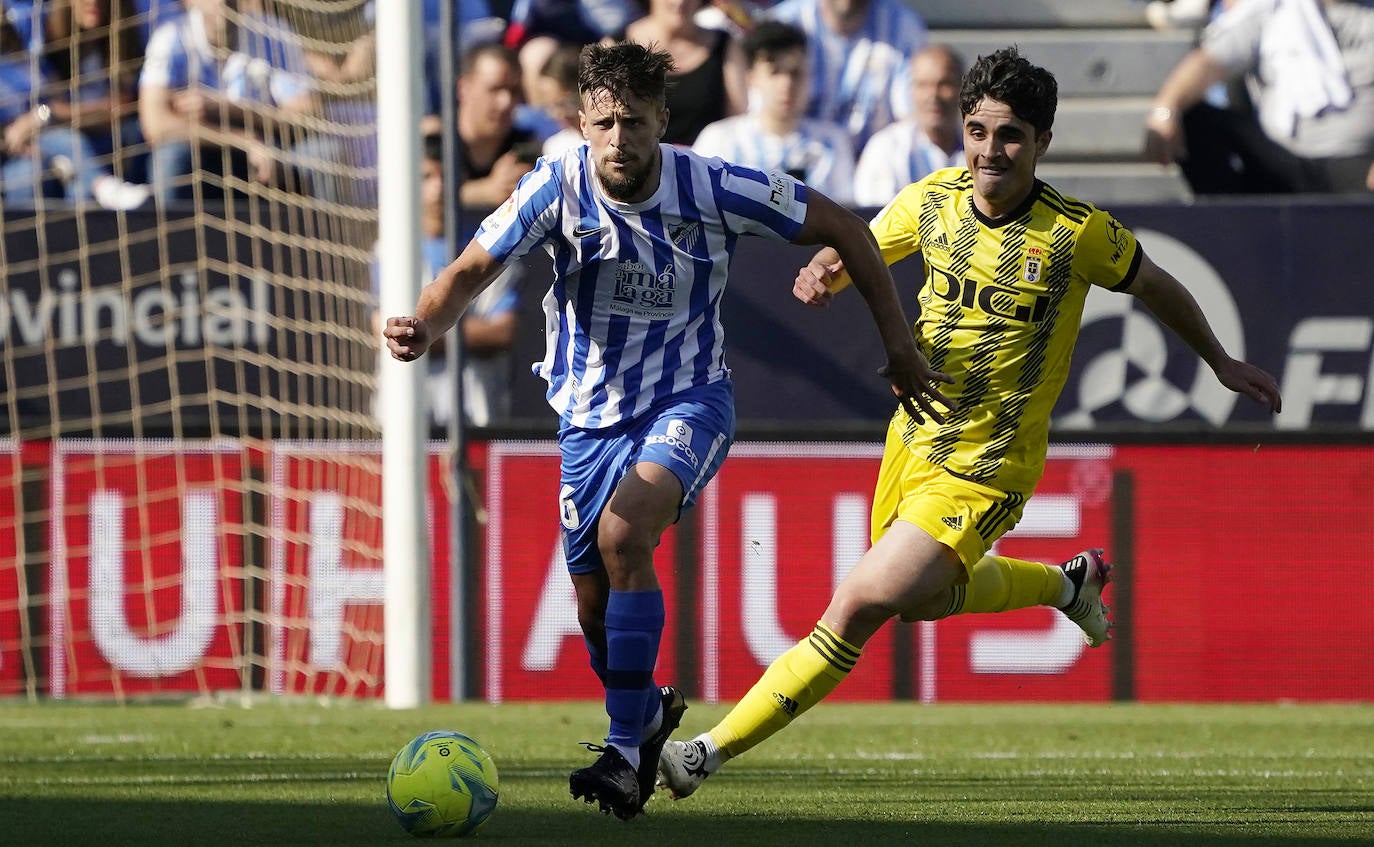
column 963, row 515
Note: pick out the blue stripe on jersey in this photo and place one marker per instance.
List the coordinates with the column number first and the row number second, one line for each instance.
column 701, row 268
column 651, row 337
column 584, row 287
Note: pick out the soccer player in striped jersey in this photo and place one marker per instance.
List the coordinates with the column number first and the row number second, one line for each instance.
column 641, row 235
column 861, row 52
column 1008, row 263
column 932, row 138
column 775, row 133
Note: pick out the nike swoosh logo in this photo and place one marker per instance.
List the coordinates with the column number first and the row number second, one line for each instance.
column 579, row 232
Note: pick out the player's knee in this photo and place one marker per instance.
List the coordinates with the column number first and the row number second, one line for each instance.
column 856, row 611
column 626, row 548
column 932, row 609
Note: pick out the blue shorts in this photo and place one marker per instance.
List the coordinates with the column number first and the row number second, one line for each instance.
column 689, row 434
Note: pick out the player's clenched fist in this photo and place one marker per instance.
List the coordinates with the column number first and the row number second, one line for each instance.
column 407, row 338
column 812, row 286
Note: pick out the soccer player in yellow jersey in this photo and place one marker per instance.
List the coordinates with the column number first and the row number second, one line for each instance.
column 1008, row 261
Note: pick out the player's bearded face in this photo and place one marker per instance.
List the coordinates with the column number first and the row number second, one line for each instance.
column 1002, row 151
column 623, row 134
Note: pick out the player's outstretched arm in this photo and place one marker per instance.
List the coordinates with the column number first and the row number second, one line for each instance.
column 1169, row 301
column 441, row 302
column 914, row 381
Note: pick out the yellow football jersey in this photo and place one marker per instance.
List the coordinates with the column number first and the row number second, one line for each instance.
column 1000, row 310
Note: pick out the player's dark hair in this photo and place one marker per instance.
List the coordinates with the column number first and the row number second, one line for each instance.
column 625, row 68
column 1007, row 77
column 770, row 38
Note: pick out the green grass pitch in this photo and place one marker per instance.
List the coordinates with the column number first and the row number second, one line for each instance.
column 306, row 773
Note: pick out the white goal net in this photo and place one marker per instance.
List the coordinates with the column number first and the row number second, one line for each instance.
column 189, row 467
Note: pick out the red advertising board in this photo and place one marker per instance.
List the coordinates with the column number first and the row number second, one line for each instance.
column 146, row 573
column 327, row 585
column 1228, row 600
column 790, row 519
column 1250, row 562
column 533, row 644
column 13, row 596
column 781, row 524
column 1236, row 566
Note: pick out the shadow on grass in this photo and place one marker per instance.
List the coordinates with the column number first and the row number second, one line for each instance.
column 109, row 824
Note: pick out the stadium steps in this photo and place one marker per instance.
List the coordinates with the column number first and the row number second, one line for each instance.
column 1109, row 65
column 1087, row 63
column 1108, row 184
column 1030, row 13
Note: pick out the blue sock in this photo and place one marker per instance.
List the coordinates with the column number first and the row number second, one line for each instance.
column 634, row 625
column 597, row 657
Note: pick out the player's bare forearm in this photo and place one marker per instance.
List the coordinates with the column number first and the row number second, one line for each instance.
column 1174, row 306
column 441, row 303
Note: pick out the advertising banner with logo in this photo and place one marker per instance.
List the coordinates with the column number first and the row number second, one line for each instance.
column 121, row 311
column 1216, row 551
column 533, row 646
column 1234, row 571
column 1285, row 284
column 1283, row 281
column 146, row 584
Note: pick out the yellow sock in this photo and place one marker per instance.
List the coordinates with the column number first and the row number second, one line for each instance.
column 796, row 681
column 999, row 584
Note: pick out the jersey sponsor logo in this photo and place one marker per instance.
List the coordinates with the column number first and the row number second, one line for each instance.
column 641, row 293
column 780, row 191
column 1120, row 238
column 679, row 439
column 502, row 217
column 1006, row 303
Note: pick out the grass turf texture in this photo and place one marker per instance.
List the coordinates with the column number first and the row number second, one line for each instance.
column 301, row 773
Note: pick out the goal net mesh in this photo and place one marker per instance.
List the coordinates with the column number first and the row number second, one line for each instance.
column 189, row 465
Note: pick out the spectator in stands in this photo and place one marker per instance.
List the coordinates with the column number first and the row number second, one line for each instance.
column 932, row 138
column 42, row 153
column 474, row 23
column 488, row 326
column 1311, row 65
column 775, row 134
column 860, row 56
column 340, row 158
column 708, row 82
column 95, row 50
column 555, row 93
column 494, row 153
column 220, row 96
column 538, row 27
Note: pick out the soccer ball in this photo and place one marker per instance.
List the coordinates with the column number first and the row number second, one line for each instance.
column 442, row 784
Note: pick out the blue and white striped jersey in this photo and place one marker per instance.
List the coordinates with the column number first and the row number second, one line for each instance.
column 817, row 152
column 896, row 156
column 860, row 81
column 633, row 315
